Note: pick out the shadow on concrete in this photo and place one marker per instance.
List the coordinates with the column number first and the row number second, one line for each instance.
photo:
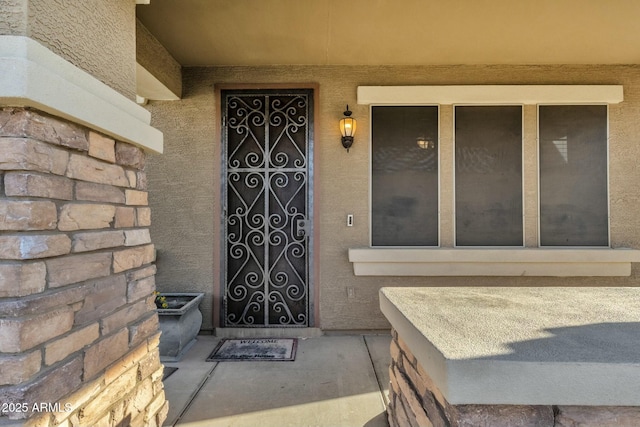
column 612, row 342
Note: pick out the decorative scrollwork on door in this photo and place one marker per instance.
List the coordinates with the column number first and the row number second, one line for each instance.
column 267, row 207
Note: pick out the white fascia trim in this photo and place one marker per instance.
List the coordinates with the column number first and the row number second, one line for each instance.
column 491, row 94
column 149, row 87
column 567, row 262
column 33, row 76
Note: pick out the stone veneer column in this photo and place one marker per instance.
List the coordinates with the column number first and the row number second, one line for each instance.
column 415, row 401
column 78, row 328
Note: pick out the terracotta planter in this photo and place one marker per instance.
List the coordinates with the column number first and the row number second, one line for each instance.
column 180, row 324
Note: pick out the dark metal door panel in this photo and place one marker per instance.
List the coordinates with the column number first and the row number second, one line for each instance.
column 267, row 212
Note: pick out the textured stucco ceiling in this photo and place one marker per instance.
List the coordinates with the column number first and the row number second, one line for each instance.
column 396, row 32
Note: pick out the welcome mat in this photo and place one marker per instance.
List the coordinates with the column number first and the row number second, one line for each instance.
column 255, row 349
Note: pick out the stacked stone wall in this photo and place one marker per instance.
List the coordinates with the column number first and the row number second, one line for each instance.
column 415, row 401
column 78, row 328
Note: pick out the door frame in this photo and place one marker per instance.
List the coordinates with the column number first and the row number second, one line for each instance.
column 218, row 266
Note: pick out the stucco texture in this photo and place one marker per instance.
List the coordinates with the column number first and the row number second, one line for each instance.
column 13, row 17
column 184, row 182
column 97, row 36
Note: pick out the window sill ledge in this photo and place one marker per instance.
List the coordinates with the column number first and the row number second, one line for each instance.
column 493, row 262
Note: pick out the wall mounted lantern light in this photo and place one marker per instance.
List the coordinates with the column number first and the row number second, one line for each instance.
column 348, row 129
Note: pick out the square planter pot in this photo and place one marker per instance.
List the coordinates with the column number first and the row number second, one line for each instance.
column 179, row 323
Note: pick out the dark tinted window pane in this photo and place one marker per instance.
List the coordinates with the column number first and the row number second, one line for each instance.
column 488, row 143
column 404, row 193
column 573, row 175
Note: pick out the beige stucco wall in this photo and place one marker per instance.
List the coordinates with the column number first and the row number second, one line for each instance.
column 184, row 181
column 13, row 17
column 89, row 34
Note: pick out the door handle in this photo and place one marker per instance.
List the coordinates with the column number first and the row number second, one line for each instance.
column 303, row 227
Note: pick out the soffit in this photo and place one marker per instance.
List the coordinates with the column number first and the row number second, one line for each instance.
column 395, row 32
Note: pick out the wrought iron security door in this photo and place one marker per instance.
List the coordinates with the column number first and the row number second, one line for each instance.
column 267, row 214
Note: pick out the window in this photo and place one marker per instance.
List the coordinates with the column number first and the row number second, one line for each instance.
column 404, row 169
column 488, row 176
column 488, row 171
column 478, row 198
column 574, row 208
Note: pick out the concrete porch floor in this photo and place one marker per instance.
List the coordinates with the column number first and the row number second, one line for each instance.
column 336, row 380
